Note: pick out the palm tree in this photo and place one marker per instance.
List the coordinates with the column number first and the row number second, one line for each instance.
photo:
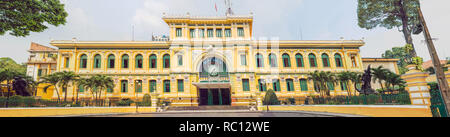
column 356, row 78
column 52, row 80
column 345, row 77
column 66, row 77
column 32, row 84
column 380, row 75
column 321, row 79
column 81, row 82
column 98, row 83
column 393, row 80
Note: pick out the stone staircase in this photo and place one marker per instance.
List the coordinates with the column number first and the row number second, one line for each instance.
column 202, row 108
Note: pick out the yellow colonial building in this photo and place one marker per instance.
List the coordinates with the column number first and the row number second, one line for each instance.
column 207, row 61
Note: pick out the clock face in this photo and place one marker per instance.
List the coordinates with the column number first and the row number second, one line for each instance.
column 213, row 70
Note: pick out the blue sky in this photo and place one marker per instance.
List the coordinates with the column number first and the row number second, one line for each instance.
column 112, row 20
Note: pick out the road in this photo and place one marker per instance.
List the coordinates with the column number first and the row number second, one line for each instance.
column 224, row 114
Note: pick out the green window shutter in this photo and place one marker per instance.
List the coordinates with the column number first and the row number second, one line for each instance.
column 111, row 61
column 180, row 60
column 125, row 61
column 299, row 59
column 259, row 60
column 67, row 62
column 152, row 87
column 273, row 60
column 245, row 85
column 227, row 32
column 39, row 72
column 166, row 61
column 83, row 61
column 124, row 86
column 192, row 33
column 338, row 60
column 179, row 32
column 276, row 85
column 286, row 60
column 312, row 60
column 180, row 85
column 138, row 86
column 243, row 59
column 139, row 61
column 303, row 84
column 166, row 86
column 109, row 90
column 219, row 33
column 97, row 61
column 201, row 33
column 290, row 85
column 325, row 60
column 153, row 61
column 262, row 85
column 241, row 32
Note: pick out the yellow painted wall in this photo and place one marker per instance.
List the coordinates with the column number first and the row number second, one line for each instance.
column 37, row 112
column 371, row 111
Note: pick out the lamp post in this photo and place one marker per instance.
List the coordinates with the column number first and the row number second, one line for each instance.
column 137, row 94
column 440, row 76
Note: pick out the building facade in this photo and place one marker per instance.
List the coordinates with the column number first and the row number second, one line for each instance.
column 208, row 61
column 42, row 61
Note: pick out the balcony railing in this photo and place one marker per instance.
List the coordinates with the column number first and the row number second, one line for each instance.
column 211, row 77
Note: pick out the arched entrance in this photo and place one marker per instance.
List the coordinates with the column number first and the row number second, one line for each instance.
column 214, row 84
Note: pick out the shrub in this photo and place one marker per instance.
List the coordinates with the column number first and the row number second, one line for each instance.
column 271, row 98
column 125, row 102
column 146, row 101
column 291, row 101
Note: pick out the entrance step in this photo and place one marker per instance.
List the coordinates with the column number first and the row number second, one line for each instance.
column 184, row 108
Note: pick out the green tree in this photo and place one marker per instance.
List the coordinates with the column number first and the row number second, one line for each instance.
column 379, row 74
column 97, row 84
column 52, row 80
column 393, row 80
column 8, row 76
column 345, row 77
column 8, row 63
column 401, row 14
column 320, row 80
column 401, row 54
column 271, row 98
column 21, row 17
column 66, row 78
column 356, row 78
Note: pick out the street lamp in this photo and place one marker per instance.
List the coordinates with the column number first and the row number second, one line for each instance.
column 138, row 84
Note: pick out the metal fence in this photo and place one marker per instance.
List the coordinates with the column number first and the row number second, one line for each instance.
column 380, row 99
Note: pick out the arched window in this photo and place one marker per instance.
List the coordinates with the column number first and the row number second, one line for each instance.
column 338, row 59
column 325, row 60
column 124, row 86
column 273, row 60
column 286, row 60
column 139, row 61
column 166, row 61
column 276, row 84
column 303, row 85
column 125, row 61
column 262, row 85
column 83, row 61
column 152, row 62
column 152, row 85
column 290, row 84
column 330, row 86
column 97, row 61
column 299, row 60
column 111, row 61
column 312, row 60
column 138, row 86
column 259, row 60
column 353, row 58
column 166, row 85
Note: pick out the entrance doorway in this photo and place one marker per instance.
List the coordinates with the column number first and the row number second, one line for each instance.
column 214, row 97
